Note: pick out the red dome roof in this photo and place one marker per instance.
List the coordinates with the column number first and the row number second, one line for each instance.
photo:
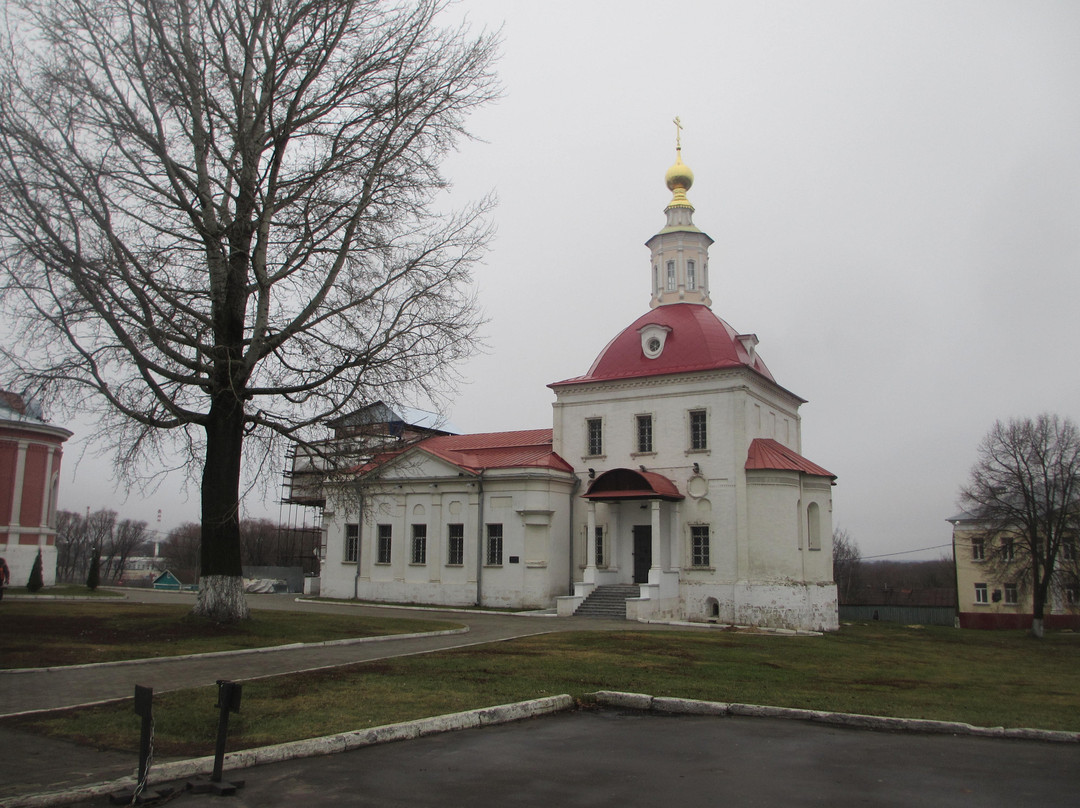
column 696, row 340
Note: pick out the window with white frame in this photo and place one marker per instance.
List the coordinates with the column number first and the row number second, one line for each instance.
column 352, row 543
column 978, row 550
column 383, row 541
column 598, row 539
column 455, row 544
column 419, row 544
column 691, row 276
column 594, row 436
column 982, row 594
column 671, row 276
column 1068, row 551
column 494, row 545
column 699, row 545
column 1011, row 595
column 699, row 430
column 644, row 434
column 1072, row 595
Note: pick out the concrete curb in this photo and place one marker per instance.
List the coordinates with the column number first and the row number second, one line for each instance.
column 268, row 649
column 312, row 747
column 762, row 630
column 421, row 608
column 642, row 701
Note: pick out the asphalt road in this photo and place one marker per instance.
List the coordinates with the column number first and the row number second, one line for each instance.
column 608, row 757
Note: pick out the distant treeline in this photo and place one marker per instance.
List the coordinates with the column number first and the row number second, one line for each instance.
column 263, row 543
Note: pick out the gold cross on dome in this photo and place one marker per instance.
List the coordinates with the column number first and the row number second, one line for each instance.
column 678, row 132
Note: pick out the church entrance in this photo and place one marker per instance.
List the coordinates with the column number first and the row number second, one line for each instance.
column 642, row 553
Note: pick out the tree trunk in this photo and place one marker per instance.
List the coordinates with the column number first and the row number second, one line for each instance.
column 1039, row 593
column 221, row 583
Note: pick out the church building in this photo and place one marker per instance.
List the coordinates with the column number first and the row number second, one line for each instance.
column 670, row 487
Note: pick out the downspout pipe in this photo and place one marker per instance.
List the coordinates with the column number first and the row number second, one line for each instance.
column 479, row 537
column 359, row 543
column 570, row 543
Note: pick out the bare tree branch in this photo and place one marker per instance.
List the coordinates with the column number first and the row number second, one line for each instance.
column 222, row 220
column 1024, row 494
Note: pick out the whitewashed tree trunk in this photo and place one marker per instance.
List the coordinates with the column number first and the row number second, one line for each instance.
column 221, row 597
column 1037, row 627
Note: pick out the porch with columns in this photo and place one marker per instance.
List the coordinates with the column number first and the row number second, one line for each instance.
column 624, row 494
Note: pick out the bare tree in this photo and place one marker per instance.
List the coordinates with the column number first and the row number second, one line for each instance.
column 267, row 544
column 221, row 223
column 847, row 563
column 77, row 537
column 128, row 536
column 181, row 549
column 70, row 545
column 100, row 527
column 1024, row 493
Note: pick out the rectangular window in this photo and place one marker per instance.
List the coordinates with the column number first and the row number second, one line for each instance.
column 352, row 543
column 599, row 538
column 644, row 433
column 981, row 594
column 671, row 276
column 1011, row 598
column 1072, row 594
column 691, row 276
column 1008, row 549
column 386, row 535
column 978, row 550
column 699, row 545
column 455, row 543
column 419, row 544
column 595, row 436
column 495, row 545
column 1068, row 551
column 699, row 431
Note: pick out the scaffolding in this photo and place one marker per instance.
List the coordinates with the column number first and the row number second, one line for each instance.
column 356, row 440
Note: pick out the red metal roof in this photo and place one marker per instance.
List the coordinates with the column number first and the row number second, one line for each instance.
column 530, row 448
column 766, row 453
column 697, row 340
column 617, row 484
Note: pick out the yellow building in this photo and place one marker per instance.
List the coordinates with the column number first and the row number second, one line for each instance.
column 993, row 582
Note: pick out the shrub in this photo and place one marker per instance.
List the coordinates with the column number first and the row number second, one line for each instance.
column 94, row 577
column 36, row 581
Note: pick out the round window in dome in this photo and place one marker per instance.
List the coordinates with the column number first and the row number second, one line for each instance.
column 653, row 337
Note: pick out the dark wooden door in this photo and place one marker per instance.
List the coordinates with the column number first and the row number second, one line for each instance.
column 642, row 553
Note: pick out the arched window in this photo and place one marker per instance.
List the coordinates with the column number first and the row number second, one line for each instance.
column 813, row 526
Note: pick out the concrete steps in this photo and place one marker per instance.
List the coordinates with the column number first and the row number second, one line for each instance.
column 608, row 601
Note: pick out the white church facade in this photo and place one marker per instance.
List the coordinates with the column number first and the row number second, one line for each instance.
column 671, row 483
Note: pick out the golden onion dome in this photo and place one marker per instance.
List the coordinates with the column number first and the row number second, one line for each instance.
column 679, row 179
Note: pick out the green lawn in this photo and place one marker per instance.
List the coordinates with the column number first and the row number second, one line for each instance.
column 984, row 678
column 50, row 632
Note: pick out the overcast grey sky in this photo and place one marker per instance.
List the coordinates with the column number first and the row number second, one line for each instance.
column 894, row 191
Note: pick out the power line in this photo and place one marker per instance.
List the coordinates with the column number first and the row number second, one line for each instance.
column 908, row 552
